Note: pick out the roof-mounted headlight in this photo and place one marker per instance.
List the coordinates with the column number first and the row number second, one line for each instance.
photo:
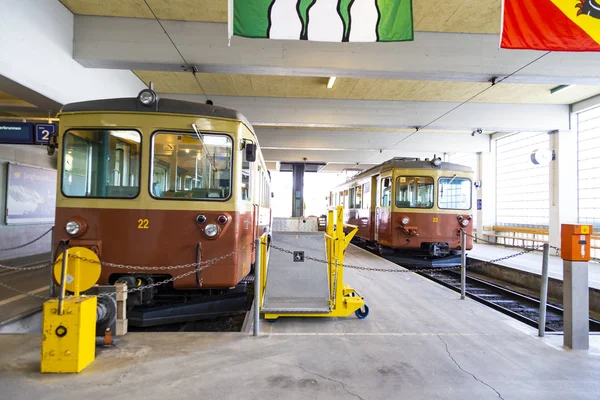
column 147, row 97
column 436, row 161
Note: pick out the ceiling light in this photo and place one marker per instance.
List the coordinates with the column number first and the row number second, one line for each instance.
column 559, row 88
column 331, row 82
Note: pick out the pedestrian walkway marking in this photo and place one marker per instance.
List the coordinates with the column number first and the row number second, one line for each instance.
column 21, row 296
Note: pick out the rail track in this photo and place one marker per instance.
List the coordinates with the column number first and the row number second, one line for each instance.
column 517, row 305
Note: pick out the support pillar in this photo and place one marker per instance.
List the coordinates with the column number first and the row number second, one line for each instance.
column 563, row 183
column 485, row 205
column 298, row 190
column 575, row 246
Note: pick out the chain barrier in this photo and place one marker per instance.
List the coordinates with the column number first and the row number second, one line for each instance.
column 200, row 266
column 40, row 266
column 406, row 270
column 28, row 243
column 25, row 293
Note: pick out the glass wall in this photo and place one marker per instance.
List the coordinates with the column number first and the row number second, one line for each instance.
column 522, row 188
column 588, row 142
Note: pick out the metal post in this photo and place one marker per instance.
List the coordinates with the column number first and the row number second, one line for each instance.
column 576, row 305
column 257, row 287
column 52, row 258
column 463, row 263
column 63, row 281
column 544, row 291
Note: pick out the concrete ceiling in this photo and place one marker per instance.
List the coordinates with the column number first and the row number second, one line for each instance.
column 461, row 16
column 383, row 90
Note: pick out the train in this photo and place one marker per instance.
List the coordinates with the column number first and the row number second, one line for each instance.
column 146, row 181
column 410, row 206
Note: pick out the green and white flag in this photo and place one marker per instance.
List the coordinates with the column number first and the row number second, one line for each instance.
column 322, row 20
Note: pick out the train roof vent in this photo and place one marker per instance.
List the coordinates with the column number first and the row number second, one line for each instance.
column 404, row 159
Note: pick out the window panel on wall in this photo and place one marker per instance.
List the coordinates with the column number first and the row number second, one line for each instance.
column 588, row 143
column 522, row 188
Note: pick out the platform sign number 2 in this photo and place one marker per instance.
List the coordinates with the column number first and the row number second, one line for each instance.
column 43, row 133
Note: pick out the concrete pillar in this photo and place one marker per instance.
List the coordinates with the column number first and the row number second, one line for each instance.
column 576, row 305
column 298, row 190
column 563, row 183
column 486, row 165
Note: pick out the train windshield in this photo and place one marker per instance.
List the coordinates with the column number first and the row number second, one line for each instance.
column 191, row 166
column 455, row 193
column 101, row 163
column 414, row 192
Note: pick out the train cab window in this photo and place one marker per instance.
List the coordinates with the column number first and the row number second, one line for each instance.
column 386, row 188
column 351, row 198
column 367, row 195
column 414, row 192
column 359, row 199
column 101, row 163
column 192, row 167
column 245, row 188
column 454, row 193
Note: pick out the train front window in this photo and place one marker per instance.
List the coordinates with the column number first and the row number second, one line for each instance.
column 191, row 166
column 454, row 193
column 414, row 192
column 101, row 163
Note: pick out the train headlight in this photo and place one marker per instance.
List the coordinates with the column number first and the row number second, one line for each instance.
column 147, row 97
column 211, row 230
column 464, row 222
column 222, row 219
column 73, row 228
column 405, row 221
column 436, row 162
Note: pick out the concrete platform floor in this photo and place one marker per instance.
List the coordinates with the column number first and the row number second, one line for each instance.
column 530, row 262
column 419, row 342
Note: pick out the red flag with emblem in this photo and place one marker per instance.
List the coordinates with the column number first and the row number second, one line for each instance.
column 552, row 25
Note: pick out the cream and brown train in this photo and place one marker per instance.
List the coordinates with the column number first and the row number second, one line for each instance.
column 410, row 205
column 158, row 182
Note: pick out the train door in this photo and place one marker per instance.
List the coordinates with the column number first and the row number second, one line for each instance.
column 383, row 213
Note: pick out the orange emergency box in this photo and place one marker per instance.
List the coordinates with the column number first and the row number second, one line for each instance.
column 575, row 242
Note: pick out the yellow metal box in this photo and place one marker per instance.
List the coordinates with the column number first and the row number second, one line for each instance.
column 69, row 340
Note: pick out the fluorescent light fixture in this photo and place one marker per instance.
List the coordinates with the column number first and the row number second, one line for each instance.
column 215, row 140
column 331, row 82
column 127, row 135
column 559, row 88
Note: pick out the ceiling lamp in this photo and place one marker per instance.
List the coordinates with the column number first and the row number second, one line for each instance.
column 559, row 88
column 331, row 82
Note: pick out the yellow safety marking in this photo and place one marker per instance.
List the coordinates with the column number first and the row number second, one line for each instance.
column 21, row 296
column 143, row 223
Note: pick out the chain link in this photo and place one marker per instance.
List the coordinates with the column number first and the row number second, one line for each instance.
column 28, row 243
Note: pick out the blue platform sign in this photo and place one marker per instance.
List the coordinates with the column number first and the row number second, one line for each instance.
column 479, row 204
column 43, row 133
column 16, row 133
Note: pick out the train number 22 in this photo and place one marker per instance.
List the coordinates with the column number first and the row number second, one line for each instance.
column 143, row 223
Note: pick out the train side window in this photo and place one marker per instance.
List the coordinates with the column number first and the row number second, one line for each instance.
column 245, row 188
column 359, row 200
column 367, row 196
column 386, row 188
column 351, row 198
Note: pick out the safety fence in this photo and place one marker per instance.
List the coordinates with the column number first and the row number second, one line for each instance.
column 196, row 267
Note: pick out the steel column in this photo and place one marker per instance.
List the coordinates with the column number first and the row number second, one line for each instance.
column 298, row 190
column 463, row 263
column 544, row 292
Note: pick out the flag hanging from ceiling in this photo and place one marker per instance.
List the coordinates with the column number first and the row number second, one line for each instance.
column 322, row 20
column 556, row 25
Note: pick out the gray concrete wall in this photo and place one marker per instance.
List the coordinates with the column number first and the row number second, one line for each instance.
column 13, row 235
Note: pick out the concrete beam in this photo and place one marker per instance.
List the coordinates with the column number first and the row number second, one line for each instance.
column 329, row 113
column 36, row 38
column 30, row 96
column 126, row 43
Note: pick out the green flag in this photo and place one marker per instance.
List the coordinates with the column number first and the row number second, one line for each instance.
column 323, row 20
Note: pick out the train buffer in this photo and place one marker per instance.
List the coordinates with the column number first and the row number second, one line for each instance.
column 304, row 277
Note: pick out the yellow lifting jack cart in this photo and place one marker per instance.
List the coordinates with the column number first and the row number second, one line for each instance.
column 69, row 323
column 295, row 285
